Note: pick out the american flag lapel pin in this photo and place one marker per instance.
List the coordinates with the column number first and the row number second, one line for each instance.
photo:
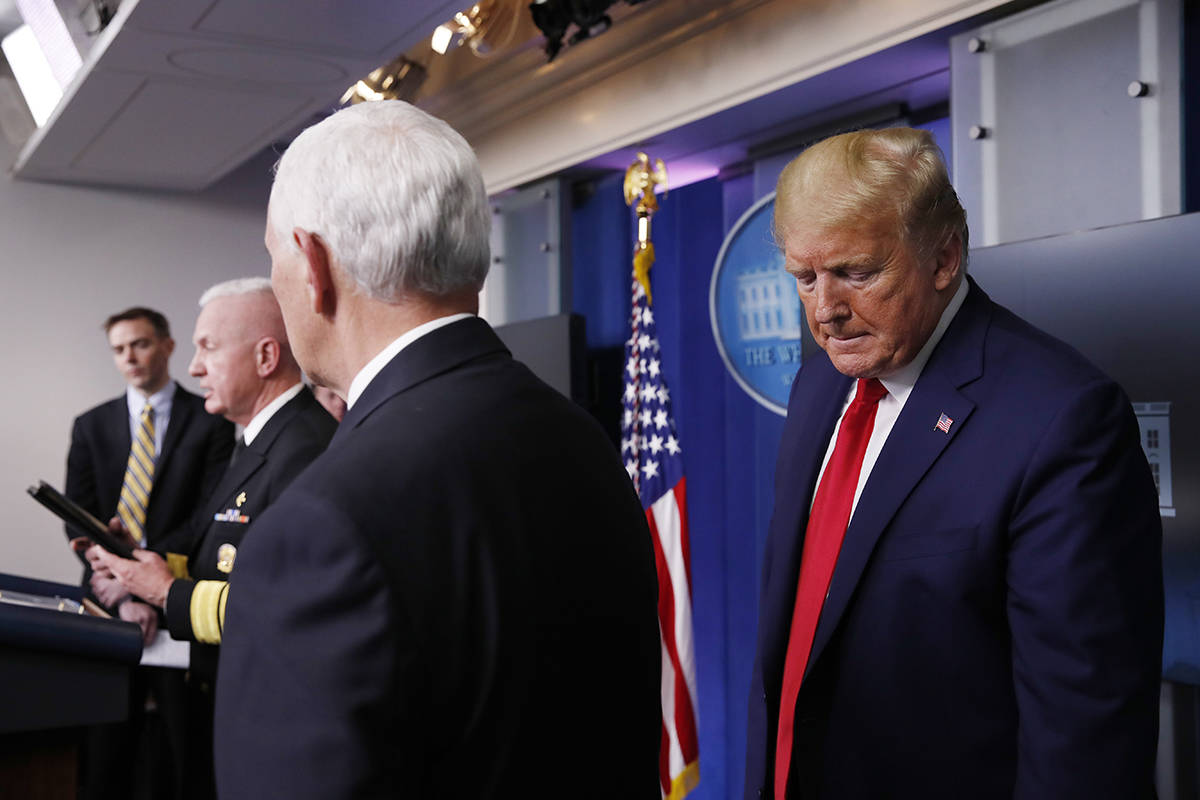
column 944, row 423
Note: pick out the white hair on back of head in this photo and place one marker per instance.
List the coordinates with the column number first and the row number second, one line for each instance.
column 394, row 193
column 237, row 286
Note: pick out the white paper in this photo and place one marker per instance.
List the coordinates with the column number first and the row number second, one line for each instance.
column 166, row 652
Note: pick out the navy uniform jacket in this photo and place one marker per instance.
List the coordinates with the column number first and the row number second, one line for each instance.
column 296, row 434
column 994, row 624
column 456, row 600
column 194, row 454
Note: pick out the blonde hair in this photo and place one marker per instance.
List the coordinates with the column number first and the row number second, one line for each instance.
column 871, row 174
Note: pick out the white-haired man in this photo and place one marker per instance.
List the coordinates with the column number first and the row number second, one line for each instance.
column 471, row 612
column 249, row 376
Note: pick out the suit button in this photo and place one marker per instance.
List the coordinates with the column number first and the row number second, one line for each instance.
column 760, row 792
column 764, row 699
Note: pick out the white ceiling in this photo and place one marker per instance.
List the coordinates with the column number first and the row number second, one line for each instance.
column 175, row 95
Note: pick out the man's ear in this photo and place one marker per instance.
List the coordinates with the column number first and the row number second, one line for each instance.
column 169, row 346
column 948, row 264
column 266, row 356
column 318, row 275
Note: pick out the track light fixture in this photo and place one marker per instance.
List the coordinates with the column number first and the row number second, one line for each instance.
column 397, row 80
column 554, row 17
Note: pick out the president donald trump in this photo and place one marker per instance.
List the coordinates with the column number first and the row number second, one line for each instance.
column 962, row 592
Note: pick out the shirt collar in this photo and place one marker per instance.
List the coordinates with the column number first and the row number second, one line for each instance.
column 160, row 401
column 255, row 426
column 901, row 382
column 376, row 364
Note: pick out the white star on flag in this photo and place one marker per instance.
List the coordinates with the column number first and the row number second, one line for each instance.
column 655, row 465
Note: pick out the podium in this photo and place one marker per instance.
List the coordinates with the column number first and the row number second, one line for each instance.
column 59, row 671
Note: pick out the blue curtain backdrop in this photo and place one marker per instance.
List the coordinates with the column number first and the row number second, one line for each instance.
column 729, row 441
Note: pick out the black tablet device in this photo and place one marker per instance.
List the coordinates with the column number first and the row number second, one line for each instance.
column 79, row 520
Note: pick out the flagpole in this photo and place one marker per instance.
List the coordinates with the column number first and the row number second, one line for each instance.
column 653, row 459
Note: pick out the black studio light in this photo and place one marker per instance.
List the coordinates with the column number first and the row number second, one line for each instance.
column 555, row 17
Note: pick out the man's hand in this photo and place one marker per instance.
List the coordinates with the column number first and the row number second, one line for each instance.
column 93, row 552
column 108, row 590
column 145, row 617
column 148, row 576
column 84, row 545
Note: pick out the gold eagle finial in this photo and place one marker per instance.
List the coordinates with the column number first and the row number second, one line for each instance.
column 640, row 180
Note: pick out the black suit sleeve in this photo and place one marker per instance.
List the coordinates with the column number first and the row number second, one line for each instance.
column 81, row 471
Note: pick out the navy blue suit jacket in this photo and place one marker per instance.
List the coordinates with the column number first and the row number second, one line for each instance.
column 994, row 624
column 194, row 454
column 456, row 600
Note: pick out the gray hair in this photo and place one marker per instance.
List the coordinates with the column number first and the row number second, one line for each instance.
column 394, row 193
column 235, row 287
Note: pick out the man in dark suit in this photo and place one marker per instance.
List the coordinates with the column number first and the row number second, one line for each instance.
column 249, row 376
column 470, row 611
column 962, row 592
column 191, row 450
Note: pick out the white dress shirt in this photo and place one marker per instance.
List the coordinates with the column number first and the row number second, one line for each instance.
column 255, row 426
column 899, row 386
column 161, row 402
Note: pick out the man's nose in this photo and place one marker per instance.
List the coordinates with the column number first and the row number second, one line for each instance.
column 830, row 301
column 195, row 367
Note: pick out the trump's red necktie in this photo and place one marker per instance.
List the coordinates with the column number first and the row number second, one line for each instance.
column 822, row 541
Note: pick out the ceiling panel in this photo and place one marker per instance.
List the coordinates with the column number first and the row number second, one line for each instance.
column 176, row 94
column 351, row 27
column 138, row 133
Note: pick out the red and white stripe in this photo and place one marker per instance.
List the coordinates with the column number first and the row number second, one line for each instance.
column 679, row 756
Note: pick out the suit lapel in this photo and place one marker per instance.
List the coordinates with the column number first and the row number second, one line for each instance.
column 912, row 447
column 182, row 410
column 247, row 464
column 255, row 454
column 434, row 353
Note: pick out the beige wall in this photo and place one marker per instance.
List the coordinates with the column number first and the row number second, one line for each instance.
column 69, row 256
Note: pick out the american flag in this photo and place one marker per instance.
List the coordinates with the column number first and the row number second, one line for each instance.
column 944, row 423
column 653, row 460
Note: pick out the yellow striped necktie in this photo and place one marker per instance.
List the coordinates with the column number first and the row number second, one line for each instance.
column 139, row 477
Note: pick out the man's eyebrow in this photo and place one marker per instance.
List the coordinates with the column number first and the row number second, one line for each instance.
column 862, row 260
